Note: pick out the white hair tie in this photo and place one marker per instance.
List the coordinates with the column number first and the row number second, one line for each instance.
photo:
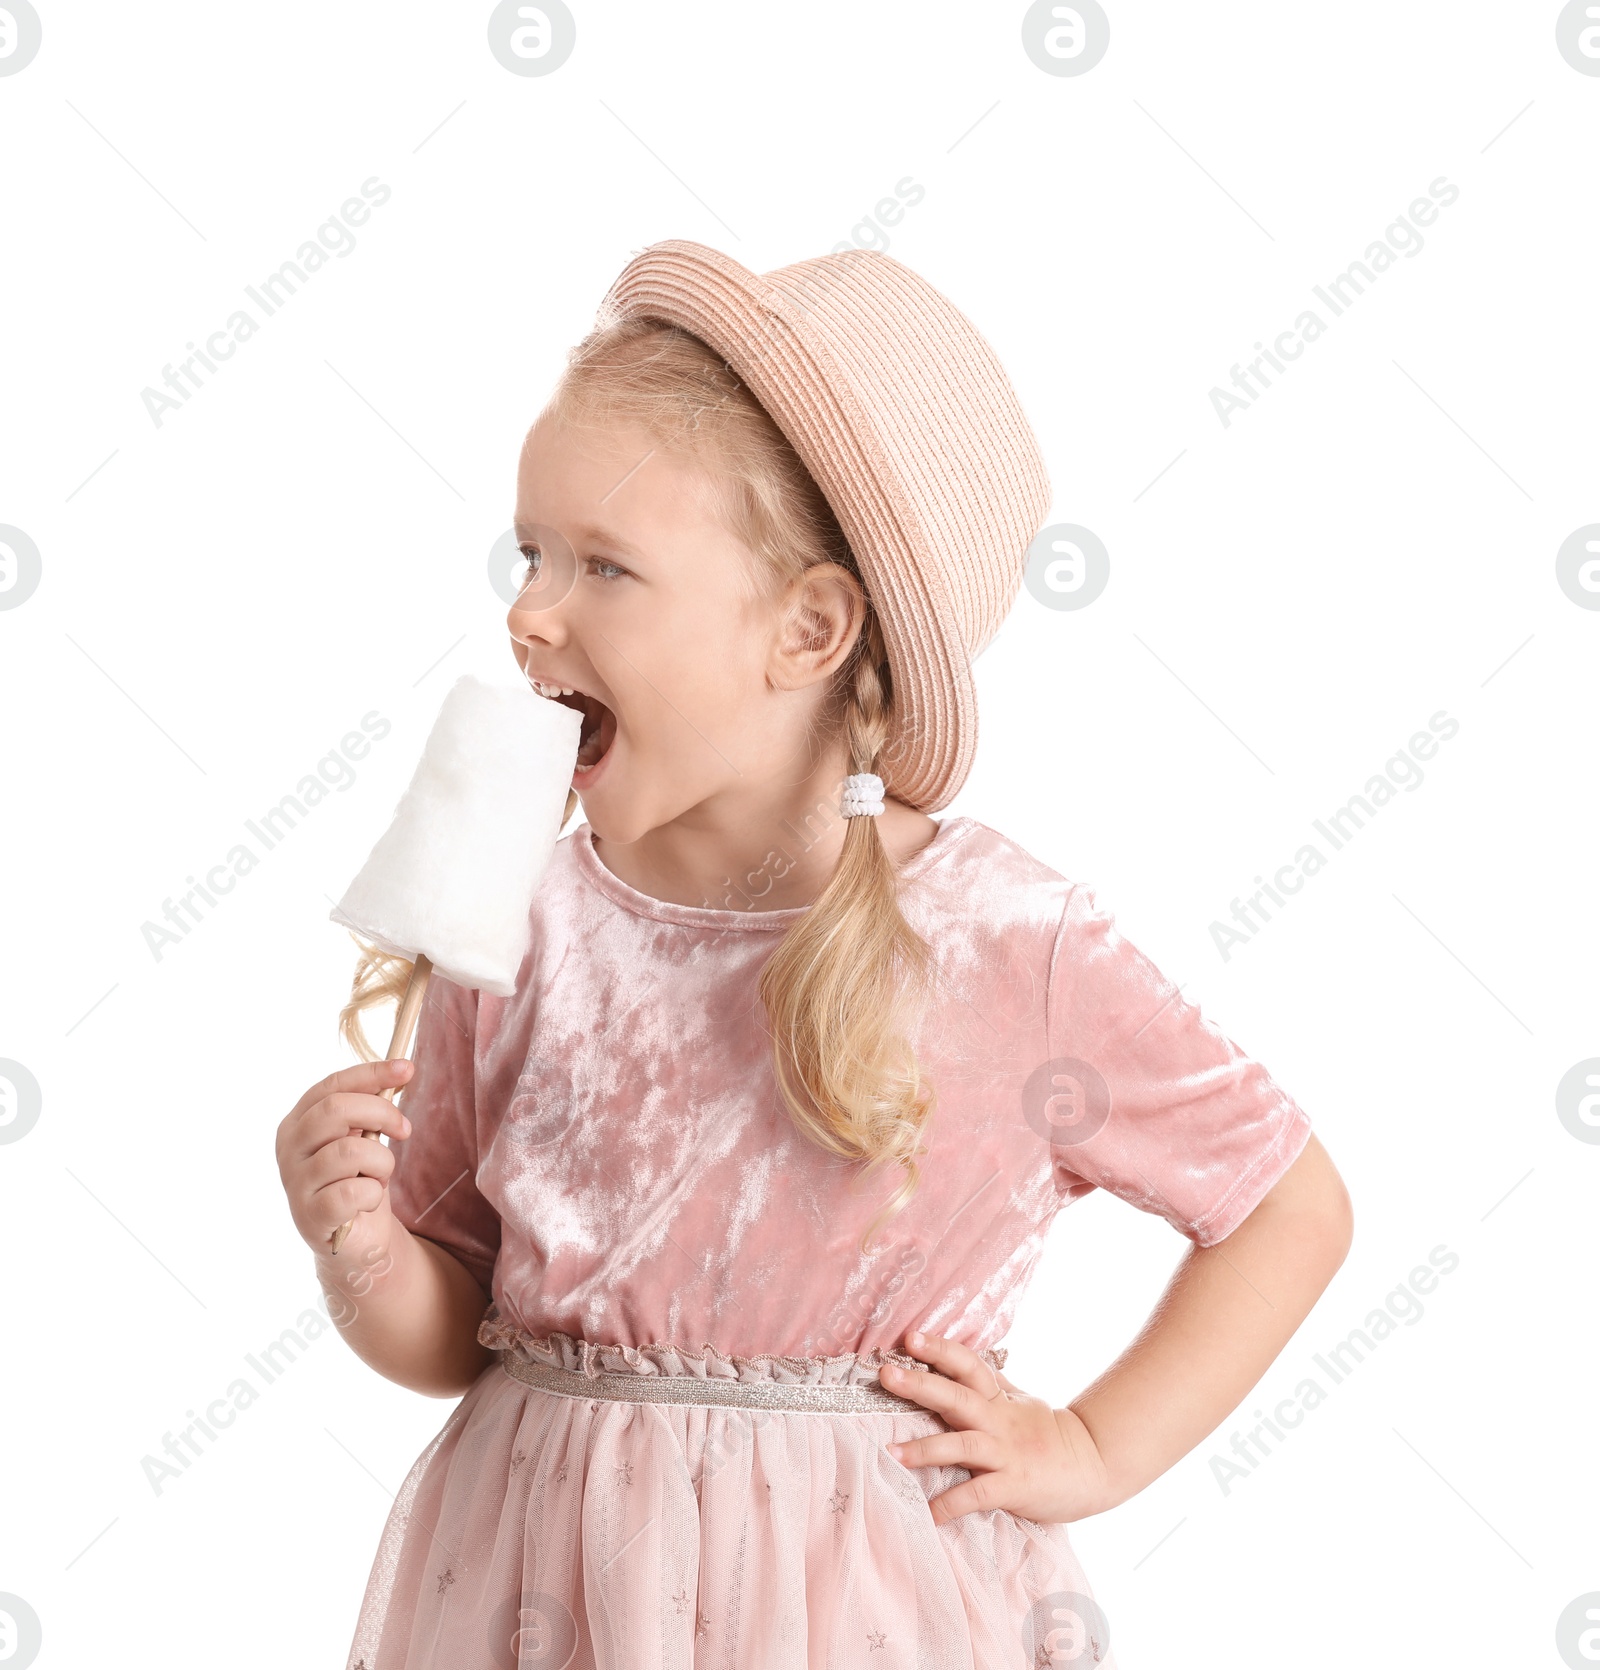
column 863, row 796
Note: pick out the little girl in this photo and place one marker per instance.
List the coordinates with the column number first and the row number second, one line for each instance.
column 718, row 1221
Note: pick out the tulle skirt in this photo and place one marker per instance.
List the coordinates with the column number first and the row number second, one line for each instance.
column 565, row 1532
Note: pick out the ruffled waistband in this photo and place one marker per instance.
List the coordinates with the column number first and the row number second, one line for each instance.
column 594, row 1358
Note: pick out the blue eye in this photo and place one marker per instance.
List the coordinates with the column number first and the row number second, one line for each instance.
column 601, row 567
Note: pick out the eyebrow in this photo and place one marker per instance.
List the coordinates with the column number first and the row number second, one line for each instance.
column 596, row 535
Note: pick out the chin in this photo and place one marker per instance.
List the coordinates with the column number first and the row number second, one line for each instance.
column 615, row 814
column 615, row 817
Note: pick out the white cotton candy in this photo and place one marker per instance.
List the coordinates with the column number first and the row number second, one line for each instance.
column 453, row 876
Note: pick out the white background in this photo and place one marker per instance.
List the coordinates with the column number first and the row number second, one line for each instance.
column 225, row 595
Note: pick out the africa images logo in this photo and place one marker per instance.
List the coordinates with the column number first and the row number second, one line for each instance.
column 20, row 35
column 1066, row 1101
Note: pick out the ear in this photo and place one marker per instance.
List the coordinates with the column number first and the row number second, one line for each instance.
column 821, row 615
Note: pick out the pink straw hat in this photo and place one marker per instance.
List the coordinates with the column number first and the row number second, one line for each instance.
column 908, row 423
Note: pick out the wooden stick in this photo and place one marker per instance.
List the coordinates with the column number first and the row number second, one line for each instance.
column 405, row 1022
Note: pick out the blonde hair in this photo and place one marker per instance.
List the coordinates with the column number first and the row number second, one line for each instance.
column 842, row 979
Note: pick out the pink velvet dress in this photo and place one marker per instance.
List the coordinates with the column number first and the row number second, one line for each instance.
column 607, row 1152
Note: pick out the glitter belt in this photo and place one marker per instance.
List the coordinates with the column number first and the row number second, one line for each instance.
column 860, row 1399
column 572, row 1366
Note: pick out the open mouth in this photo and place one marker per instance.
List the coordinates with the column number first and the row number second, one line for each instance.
column 599, row 722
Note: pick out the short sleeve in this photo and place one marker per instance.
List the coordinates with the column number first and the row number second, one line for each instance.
column 433, row 1189
column 1144, row 1097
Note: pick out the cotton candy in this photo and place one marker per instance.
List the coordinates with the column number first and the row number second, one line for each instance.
column 453, row 876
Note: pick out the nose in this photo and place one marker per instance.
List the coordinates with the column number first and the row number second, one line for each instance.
column 536, row 632
column 540, row 613
column 529, row 618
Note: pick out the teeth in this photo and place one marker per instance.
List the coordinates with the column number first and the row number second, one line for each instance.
column 551, row 690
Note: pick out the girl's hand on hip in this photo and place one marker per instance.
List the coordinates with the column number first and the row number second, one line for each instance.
column 1025, row 1457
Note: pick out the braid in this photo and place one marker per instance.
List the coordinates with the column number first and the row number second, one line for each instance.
column 833, row 988
column 866, row 721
